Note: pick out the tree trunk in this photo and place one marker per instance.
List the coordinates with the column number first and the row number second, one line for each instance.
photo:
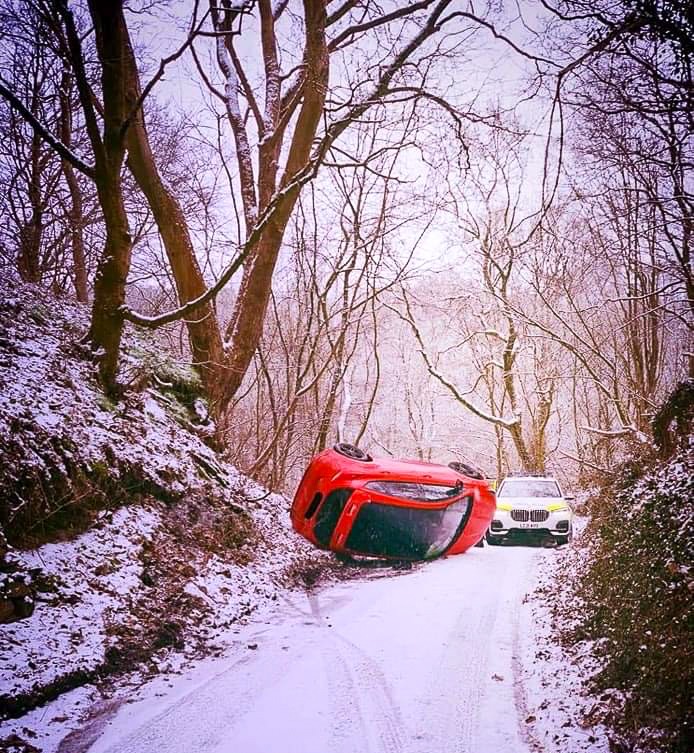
column 109, row 285
column 75, row 214
column 112, row 273
column 29, row 261
column 246, row 325
column 203, row 331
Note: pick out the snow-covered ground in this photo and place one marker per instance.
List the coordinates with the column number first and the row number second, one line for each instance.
column 61, row 435
column 454, row 656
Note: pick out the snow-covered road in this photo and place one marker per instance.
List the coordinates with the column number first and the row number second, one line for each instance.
column 425, row 661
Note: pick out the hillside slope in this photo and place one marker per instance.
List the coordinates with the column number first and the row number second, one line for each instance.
column 128, row 542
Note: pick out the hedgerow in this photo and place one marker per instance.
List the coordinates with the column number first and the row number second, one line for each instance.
column 637, row 588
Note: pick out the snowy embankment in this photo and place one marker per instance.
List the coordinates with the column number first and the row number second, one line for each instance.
column 629, row 597
column 131, row 540
column 555, row 674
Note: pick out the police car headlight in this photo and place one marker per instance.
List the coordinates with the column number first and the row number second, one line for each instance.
column 557, row 507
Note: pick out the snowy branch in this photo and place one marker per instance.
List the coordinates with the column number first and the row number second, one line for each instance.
column 506, row 423
column 43, row 132
column 625, row 431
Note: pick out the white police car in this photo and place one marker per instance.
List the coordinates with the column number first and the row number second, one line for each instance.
column 531, row 504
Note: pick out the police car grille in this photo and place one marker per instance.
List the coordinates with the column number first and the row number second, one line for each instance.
column 523, row 516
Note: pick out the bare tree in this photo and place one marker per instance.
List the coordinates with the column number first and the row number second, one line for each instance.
column 322, row 315
column 631, row 106
column 513, row 385
column 30, row 169
column 75, row 212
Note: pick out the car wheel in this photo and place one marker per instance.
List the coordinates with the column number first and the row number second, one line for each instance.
column 492, row 540
column 565, row 539
column 350, row 451
column 466, row 470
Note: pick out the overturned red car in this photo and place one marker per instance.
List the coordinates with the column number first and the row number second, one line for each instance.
column 353, row 504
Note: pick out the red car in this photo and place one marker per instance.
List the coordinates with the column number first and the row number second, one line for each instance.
column 353, row 504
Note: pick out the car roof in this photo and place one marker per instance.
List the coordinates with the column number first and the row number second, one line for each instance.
column 531, row 478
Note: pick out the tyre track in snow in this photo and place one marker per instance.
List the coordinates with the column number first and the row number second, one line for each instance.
column 453, row 696
column 346, row 719
column 197, row 721
column 374, row 695
column 520, row 695
column 361, row 698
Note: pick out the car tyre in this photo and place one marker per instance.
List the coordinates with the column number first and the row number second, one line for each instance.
column 351, row 451
column 567, row 538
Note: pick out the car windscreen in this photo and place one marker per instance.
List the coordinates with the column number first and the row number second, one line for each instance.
column 415, row 491
column 529, row 487
column 406, row 532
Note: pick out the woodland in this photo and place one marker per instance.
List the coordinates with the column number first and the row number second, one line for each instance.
column 434, row 229
column 236, row 232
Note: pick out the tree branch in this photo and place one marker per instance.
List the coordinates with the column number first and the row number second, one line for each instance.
column 506, row 423
column 164, row 62
column 43, row 132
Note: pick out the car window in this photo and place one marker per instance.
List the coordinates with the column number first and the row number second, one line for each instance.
column 529, row 487
column 382, row 530
column 415, row 491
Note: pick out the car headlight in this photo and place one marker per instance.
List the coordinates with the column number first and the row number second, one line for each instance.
column 557, row 506
column 505, row 506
